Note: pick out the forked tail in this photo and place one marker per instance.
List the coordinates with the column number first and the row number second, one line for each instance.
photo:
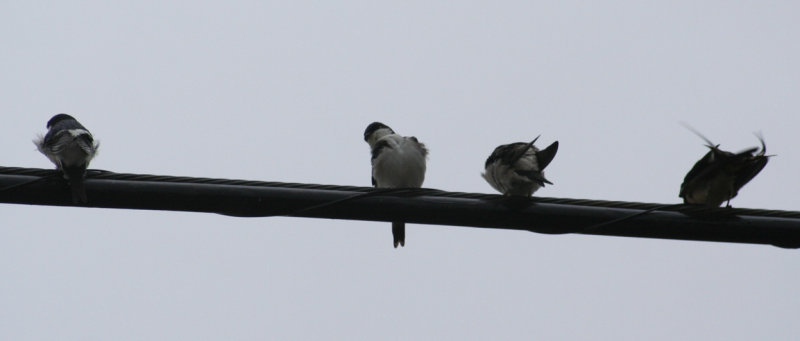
column 399, row 233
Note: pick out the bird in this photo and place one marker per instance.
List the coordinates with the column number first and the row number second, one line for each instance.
column 397, row 162
column 70, row 146
column 719, row 175
column 517, row 169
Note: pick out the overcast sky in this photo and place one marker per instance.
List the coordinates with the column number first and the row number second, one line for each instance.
column 282, row 91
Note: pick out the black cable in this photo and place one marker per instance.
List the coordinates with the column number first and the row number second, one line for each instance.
column 29, row 182
column 689, row 209
column 621, row 219
column 247, row 198
column 377, row 191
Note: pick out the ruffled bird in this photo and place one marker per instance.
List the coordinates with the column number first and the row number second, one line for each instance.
column 70, row 146
column 397, row 162
column 719, row 175
column 517, row 169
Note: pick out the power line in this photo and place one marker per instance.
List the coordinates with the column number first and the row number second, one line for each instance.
column 243, row 198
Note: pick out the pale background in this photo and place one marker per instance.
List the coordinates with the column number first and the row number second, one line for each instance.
column 282, row 91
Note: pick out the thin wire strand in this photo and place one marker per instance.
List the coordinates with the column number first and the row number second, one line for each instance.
column 27, row 183
column 628, row 217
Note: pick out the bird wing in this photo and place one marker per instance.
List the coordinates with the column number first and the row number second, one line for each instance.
column 521, row 149
column 54, row 142
column 543, row 157
column 419, row 146
column 508, row 154
column 749, row 170
column 380, row 146
column 85, row 141
column 701, row 169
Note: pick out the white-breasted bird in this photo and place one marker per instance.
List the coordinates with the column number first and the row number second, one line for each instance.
column 719, row 175
column 397, row 162
column 517, row 169
column 70, row 146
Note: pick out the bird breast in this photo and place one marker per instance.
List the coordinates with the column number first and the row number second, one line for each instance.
column 400, row 164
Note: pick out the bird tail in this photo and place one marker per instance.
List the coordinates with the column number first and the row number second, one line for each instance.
column 536, row 176
column 399, row 233
column 75, row 177
column 78, row 190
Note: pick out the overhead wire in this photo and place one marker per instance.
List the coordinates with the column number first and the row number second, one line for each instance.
column 250, row 198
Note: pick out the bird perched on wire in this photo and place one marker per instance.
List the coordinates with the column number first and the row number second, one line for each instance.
column 719, row 175
column 70, row 146
column 517, row 169
column 397, row 162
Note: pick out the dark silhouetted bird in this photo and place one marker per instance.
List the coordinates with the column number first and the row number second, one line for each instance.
column 71, row 147
column 397, row 162
column 719, row 175
column 517, row 169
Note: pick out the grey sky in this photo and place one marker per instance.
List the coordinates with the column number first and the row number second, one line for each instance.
column 282, row 91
